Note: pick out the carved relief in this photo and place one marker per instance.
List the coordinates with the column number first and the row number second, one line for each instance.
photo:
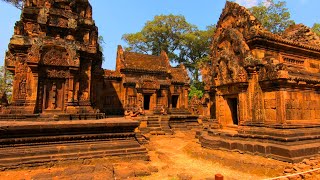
column 34, row 53
column 229, row 54
column 206, row 73
column 57, row 73
column 56, row 57
column 148, row 82
column 31, row 29
column 18, row 28
column 20, row 80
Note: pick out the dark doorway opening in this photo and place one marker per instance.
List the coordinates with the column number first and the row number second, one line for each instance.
column 146, row 102
column 233, row 105
column 175, row 99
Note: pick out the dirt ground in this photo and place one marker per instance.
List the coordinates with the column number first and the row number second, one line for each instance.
column 173, row 157
column 182, row 155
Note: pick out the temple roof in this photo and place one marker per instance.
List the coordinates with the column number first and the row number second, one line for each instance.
column 296, row 35
column 146, row 62
column 179, row 74
column 149, row 65
column 142, row 62
column 302, row 34
column 111, row 74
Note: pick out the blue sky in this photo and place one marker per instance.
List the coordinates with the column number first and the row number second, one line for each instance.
column 117, row 17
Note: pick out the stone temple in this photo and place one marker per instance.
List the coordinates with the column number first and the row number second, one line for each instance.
column 264, row 88
column 55, row 59
column 145, row 81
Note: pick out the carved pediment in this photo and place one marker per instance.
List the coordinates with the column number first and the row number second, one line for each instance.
column 229, row 54
column 56, row 57
column 148, row 82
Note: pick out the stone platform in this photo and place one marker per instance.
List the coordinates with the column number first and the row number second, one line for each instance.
column 25, row 143
column 167, row 124
column 285, row 143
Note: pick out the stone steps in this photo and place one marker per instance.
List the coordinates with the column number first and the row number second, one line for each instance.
column 285, row 151
column 24, row 143
column 32, row 155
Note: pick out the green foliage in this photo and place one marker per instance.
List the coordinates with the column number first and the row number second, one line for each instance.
column 316, row 28
column 164, row 32
column 6, row 79
column 195, row 49
column 194, row 91
column 274, row 16
column 182, row 41
column 101, row 42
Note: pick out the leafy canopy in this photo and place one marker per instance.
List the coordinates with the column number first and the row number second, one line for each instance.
column 316, row 28
column 274, row 16
column 164, row 32
column 6, row 79
column 182, row 41
column 195, row 92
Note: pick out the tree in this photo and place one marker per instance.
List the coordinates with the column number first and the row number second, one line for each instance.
column 6, row 79
column 101, row 42
column 16, row 3
column 164, row 32
column 195, row 92
column 195, row 50
column 274, row 16
column 316, row 28
column 182, row 41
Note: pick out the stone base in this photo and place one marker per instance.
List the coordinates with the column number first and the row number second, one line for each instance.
column 166, row 124
column 183, row 122
column 290, row 145
column 35, row 143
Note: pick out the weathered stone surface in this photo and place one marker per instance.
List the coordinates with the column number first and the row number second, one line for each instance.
column 54, row 71
column 264, row 88
column 144, row 84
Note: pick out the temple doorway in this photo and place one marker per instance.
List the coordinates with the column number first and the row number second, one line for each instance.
column 146, row 102
column 233, row 107
column 175, row 99
column 54, row 94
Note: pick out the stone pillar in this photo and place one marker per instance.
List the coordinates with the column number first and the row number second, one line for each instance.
column 220, row 108
column 243, row 107
column 71, row 95
column 185, row 97
column 281, row 106
column 125, row 96
column 153, row 101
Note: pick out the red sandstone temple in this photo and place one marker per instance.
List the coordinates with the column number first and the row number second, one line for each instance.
column 55, row 58
column 145, row 81
column 264, row 88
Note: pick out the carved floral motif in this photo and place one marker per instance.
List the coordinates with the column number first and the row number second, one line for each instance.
column 56, row 57
column 57, row 73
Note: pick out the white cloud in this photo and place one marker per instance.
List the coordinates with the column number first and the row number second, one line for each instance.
column 248, row 3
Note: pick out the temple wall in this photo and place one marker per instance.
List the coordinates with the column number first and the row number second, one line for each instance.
column 270, row 105
column 112, row 98
column 302, row 107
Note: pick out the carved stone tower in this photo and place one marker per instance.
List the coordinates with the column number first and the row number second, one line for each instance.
column 54, row 55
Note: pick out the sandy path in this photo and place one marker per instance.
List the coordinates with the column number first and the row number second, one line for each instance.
column 169, row 154
column 176, row 157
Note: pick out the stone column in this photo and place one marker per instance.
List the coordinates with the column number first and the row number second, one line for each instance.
column 243, row 107
column 165, row 98
column 125, row 96
column 71, row 95
column 185, row 97
column 281, row 106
